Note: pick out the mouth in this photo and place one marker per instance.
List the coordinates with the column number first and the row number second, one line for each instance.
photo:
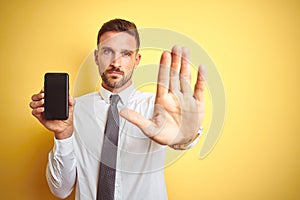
column 115, row 72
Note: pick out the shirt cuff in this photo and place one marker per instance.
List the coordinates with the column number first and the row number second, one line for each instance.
column 63, row 147
column 190, row 144
column 194, row 142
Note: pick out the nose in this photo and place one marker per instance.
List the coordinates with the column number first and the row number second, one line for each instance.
column 116, row 60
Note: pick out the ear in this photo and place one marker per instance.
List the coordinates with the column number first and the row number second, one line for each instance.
column 96, row 57
column 137, row 60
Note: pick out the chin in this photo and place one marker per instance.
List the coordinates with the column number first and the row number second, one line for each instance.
column 114, row 83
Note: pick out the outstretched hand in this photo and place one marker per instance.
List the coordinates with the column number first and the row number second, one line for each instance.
column 178, row 111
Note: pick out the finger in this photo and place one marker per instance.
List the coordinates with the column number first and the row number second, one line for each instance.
column 175, row 68
column 71, row 101
column 71, row 104
column 185, row 72
column 36, row 104
column 37, row 97
column 200, row 84
column 140, row 121
column 37, row 111
column 164, row 74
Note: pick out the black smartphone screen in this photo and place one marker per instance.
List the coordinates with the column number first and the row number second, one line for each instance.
column 56, row 87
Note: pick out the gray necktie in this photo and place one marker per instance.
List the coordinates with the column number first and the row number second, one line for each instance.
column 106, row 182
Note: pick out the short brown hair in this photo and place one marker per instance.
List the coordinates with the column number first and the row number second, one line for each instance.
column 120, row 25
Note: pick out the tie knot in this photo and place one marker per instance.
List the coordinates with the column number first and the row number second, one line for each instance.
column 114, row 99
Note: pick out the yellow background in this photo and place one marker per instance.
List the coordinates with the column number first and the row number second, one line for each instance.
column 254, row 44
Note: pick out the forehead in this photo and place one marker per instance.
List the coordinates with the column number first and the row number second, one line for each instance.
column 117, row 40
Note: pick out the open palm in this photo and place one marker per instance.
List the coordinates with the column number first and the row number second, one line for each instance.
column 178, row 111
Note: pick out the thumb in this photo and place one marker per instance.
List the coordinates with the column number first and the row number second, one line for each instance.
column 139, row 120
column 71, row 103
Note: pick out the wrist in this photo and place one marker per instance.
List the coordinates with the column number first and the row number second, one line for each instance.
column 189, row 144
column 65, row 134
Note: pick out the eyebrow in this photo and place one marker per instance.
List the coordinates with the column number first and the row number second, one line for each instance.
column 126, row 50
column 104, row 47
column 122, row 50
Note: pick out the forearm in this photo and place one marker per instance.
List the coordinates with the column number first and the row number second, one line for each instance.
column 61, row 168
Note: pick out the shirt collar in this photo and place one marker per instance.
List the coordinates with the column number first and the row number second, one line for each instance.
column 124, row 94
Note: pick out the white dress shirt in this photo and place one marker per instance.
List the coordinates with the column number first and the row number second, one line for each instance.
column 75, row 161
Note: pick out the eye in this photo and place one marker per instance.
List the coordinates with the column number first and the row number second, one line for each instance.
column 107, row 51
column 126, row 53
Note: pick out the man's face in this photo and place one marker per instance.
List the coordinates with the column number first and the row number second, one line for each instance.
column 116, row 57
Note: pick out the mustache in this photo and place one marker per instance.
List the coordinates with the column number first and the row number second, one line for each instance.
column 114, row 69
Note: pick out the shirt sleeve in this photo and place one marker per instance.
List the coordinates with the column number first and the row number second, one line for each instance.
column 61, row 167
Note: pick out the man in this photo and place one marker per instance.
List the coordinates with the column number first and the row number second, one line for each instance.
column 90, row 156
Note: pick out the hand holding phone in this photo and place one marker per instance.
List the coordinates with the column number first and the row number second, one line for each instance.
column 61, row 128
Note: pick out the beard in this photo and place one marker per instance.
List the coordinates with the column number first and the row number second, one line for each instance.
column 112, row 82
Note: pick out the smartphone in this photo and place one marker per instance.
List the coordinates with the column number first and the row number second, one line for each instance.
column 56, row 103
